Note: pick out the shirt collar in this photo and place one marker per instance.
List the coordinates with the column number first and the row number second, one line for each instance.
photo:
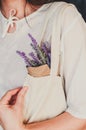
column 34, row 18
column 31, row 19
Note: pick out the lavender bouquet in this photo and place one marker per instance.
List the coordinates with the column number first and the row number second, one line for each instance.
column 41, row 56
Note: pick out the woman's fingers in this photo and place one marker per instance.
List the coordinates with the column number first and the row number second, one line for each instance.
column 7, row 97
column 20, row 97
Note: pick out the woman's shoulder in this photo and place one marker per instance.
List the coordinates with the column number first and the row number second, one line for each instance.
column 60, row 5
column 65, row 11
column 64, row 15
column 62, row 10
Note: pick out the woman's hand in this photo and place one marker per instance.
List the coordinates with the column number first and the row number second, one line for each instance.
column 11, row 109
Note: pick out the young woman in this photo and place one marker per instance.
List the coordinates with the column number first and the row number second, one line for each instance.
column 17, row 19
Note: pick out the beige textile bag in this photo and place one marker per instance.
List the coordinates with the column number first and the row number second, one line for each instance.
column 45, row 98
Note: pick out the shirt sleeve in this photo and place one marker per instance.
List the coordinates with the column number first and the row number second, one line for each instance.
column 74, row 65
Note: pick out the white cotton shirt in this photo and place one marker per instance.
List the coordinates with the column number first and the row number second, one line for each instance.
column 73, row 50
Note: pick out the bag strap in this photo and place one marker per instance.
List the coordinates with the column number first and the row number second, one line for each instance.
column 48, row 15
column 55, row 50
column 56, row 44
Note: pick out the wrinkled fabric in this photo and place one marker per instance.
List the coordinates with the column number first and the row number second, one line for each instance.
column 73, row 52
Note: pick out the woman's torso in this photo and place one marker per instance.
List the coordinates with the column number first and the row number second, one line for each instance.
column 12, row 66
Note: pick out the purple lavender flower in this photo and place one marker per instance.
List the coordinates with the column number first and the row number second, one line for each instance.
column 41, row 56
column 46, row 49
column 39, row 53
column 48, row 46
column 23, row 55
column 37, row 49
column 33, row 40
column 49, row 60
column 35, row 58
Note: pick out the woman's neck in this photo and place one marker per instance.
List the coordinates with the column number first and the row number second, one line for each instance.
column 21, row 6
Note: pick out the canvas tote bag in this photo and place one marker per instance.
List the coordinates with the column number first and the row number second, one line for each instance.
column 45, row 98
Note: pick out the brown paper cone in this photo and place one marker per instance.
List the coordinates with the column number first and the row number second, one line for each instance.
column 39, row 71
